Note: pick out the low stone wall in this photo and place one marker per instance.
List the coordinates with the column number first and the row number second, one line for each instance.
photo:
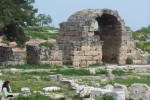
column 36, row 54
column 42, row 55
column 11, row 56
column 133, row 68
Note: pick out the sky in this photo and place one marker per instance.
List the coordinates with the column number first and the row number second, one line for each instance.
column 135, row 13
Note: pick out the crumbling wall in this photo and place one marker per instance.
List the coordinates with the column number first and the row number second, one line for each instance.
column 9, row 56
column 80, row 45
column 41, row 55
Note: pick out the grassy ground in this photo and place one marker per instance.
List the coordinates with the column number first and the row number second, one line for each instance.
column 36, row 81
column 44, row 32
column 46, row 66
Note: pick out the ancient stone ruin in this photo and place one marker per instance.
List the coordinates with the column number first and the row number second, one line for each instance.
column 80, row 44
column 11, row 55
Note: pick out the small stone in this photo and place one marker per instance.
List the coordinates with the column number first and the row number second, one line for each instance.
column 50, row 89
column 25, row 90
column 55, row 78
column 66, row 83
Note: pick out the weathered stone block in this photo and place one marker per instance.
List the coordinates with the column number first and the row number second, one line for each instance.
column 139, row 91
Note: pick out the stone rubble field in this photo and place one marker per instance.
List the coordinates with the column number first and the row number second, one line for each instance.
column 68, row 83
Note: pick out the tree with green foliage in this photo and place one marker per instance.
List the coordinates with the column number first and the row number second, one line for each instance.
column 16, row 13
column 129, row 61
column 44, row 19
column 14, row 32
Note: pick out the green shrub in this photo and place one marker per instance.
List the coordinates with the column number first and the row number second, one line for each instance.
column 142, row 38
column 74, row 72
column 145, row 46
column 118, row 72
column 77, row 97
column 45, row 66
column 105, row 97
column 97, row 64
column 99, row 72
column 14, row 32
column 35, row 96
column 129, row 61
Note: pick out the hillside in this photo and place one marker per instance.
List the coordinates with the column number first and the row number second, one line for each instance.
column 44, row 32
column 142, row 38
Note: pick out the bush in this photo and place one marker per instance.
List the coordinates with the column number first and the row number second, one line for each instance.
column 44, row 66
column 129, row 61
column 35, row 96
column 105, row 97
column 99, row 72
column 118, row 72
column 145, row 46
column 97, row 64
column 74, row 72
column 14, row 32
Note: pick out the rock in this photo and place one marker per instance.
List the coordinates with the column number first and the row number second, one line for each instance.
column 67, row 83
column 12, row 44
column 109, row 87
column 1, row 74
column 38, row 92
column 139, row 91
column 117, row 95
column 79, row 88
column 25, row 90
column 55, row 78
column 86, row 91
column 52, row 78
column 50, row 89
column 57, row 97
column 13, row 70
column 96, row 92
column 121, row 88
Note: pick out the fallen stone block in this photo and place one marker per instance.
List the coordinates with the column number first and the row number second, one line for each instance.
column 86, row 91
column 25, row 90
column 139, row 91
column 121, row 88
column 66, row 83
column 50, row 89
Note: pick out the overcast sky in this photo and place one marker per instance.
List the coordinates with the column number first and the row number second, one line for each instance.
column 136, row 13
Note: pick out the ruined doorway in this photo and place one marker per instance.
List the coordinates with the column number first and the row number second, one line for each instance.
column 109, row 30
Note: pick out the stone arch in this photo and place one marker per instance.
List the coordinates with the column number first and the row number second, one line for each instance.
column 80, row 45
column 110, row 33
column 79, row 39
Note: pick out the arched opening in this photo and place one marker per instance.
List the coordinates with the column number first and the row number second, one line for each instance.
column 109, row 30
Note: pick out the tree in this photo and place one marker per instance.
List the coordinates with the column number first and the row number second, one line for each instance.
column 44, row 19
column 16, row 13
column 14, row 32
